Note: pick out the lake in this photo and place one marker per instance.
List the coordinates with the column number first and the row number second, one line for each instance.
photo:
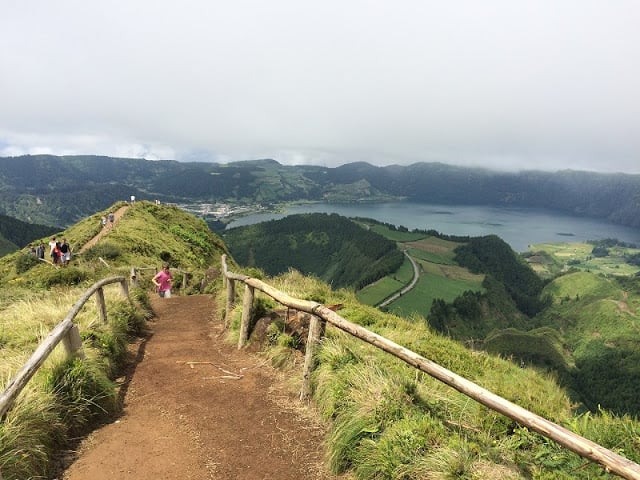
column 519, row 227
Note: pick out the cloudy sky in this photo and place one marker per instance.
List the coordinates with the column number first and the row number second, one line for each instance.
column 547, row 84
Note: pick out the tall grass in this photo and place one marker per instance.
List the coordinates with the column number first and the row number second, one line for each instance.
column 388, row 421
column 66, row 395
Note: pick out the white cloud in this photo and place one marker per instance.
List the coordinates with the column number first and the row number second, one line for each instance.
column 529, row 84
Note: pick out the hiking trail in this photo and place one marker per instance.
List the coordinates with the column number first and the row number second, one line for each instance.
column 195, row 407
column 105, row 230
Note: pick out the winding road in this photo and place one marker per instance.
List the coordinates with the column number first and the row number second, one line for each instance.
column 408, row 287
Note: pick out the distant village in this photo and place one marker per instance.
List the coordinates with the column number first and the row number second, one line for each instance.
column 220, row 211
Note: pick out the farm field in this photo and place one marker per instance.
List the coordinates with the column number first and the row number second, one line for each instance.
column 562, row 256
column 429, row 287
column 376, row 292
column 440, row 276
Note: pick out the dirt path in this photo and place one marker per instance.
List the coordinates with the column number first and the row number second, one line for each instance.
column 117, row 215
column 228, row 418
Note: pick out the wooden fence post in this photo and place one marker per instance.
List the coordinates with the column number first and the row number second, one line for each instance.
column 223, row 263
column 231, row 295
column 184, row 281
column 316, row 332
column 72, row 343
column 134, row 277
column 247, row 313
column 102, row 306
column 124, row 288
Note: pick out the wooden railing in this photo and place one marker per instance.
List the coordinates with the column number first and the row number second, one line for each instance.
column 67, row 333
column 611, row 461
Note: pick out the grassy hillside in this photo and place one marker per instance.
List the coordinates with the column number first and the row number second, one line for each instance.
column 67, row 396
column 598, row 319
column 387, row 422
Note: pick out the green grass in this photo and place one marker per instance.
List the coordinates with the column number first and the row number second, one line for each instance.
column 429, row 287
column 440, row 277
column 376, row 292
column 598, row 319
column 388, row 422
column 395, row 235
column 66, row 396
column 579, row 256
column 432, row 257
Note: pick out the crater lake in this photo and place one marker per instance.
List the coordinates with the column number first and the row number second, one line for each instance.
column 519, row 227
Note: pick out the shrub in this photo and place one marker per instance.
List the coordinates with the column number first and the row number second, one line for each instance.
column 65, row 276
column 106, row 250
column 25, row 262
column 166, row 257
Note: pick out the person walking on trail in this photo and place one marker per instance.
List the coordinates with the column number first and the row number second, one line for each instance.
column 40, row 251
column 163, row 280
column 65, row 251
column 112, row 219
column 52, row 250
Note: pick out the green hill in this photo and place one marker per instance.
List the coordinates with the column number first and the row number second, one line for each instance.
column 67, row 397
column 383, row 420
column 598, row 319
column 331, row 247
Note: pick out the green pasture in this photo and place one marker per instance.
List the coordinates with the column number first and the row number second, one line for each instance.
column 396, row 235
column 432, row 257
column 440, row 276
column 376, row 292
column 578, row 255
column 429, row 287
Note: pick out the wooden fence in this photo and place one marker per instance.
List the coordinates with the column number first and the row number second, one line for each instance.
column 67, row 333
column 611, row 461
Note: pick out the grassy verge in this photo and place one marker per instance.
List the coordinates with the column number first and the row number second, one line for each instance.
column 389, row 422
column 66, row 395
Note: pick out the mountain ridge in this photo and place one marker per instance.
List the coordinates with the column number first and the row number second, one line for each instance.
column 55, row 190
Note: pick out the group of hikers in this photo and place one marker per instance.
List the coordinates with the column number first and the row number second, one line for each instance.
column 59, row 251
column 108, row 220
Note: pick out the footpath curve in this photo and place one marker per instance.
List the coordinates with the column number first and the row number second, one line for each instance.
column 117, row 215
column 197, row 408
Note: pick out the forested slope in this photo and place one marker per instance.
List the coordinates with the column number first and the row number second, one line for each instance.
column 330, row 247
column 15, row 234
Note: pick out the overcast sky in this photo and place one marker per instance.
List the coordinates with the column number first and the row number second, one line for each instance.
column 508, row 84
